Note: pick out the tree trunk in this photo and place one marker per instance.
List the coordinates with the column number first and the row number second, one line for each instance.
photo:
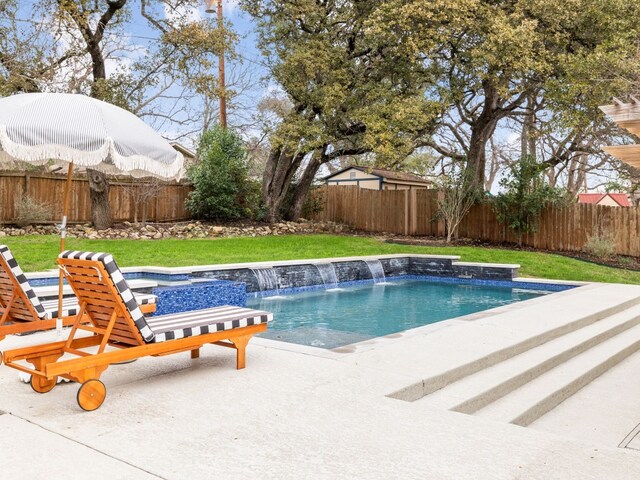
column 144, row 214
column 303, row 186
column 527, row 137
column 98, row 181
column 482, row 130
column 477, row 159
column 99, row 190
column 279, row 171
column 449, row 234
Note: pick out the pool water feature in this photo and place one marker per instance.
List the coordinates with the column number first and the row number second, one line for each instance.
column 331, row 319
column 377, row 271
column 267, row 279
column 328, row 273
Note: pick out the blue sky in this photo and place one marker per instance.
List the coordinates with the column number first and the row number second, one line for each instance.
column 140, row 36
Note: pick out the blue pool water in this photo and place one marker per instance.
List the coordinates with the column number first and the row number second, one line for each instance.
column 334, row 318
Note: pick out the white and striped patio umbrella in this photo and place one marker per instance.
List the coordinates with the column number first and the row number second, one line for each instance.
column 79, row 130
column 41, row 127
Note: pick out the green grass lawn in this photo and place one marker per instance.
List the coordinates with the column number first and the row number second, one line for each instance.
column 37, row 253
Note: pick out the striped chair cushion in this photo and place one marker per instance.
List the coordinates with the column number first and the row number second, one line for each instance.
column 16, row 271
column 121, row 286
column 70, row 305
column 200, row 322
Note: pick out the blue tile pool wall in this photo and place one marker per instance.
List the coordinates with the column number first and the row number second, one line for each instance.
column 199, row 296
column 508, row 283
column 542, row 287
column 158, row 277
column 44, row 282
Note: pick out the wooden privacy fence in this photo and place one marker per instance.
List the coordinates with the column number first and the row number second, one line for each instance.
column 402, row 212
column 166, row 203
column 413, row 212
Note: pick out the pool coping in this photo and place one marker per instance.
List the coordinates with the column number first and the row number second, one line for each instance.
column 271, row 263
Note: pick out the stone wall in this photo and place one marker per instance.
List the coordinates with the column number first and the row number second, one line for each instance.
column 306, row 274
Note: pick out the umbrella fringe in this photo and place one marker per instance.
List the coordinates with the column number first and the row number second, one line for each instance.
column 105, row 159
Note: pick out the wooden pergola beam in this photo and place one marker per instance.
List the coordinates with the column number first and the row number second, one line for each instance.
column 629, row 154
column 632, row 126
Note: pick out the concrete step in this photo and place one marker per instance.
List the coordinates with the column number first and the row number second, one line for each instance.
column 531, row 401
column 439, row 381
column 475, row 392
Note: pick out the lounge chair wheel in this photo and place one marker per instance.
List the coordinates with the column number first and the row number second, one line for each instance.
column 41, row 384
column 91, row 394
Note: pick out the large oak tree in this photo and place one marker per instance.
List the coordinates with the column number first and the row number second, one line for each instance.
column 348, row 93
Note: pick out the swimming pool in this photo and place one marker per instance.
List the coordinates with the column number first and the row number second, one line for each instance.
column 411, row 291
column 336, row 317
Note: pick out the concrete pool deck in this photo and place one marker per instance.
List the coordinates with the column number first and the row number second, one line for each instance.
column 299, row 412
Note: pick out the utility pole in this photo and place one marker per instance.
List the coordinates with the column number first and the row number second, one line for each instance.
column 221, row 73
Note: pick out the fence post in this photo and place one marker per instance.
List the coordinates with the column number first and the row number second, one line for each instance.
column 413, row 228
column 406, row 212
column 441, row 227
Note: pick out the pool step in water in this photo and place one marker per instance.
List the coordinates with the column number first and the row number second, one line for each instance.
column 540, row 396
column 477, row 391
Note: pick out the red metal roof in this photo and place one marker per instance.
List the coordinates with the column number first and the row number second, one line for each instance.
column 590, row 197
column 620, row 198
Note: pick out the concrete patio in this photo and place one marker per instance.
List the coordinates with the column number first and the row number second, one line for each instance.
column 299, row 412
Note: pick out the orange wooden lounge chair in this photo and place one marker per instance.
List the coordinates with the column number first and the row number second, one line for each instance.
column 22, row 311
column 117, row 321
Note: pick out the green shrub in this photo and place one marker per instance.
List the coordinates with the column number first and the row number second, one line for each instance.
column 222, row 189
column 313, row 204
column 626, row 262
column 30, row 211
column 525, row 195
column 600, row 246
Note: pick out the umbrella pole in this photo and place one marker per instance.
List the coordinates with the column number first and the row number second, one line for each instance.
column 63, row 234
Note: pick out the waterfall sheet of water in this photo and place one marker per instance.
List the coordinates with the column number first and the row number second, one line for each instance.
column 377, row 272
column 328, row 273
column 267, row 279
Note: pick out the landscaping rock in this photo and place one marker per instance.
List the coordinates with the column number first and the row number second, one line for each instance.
column 132, row 231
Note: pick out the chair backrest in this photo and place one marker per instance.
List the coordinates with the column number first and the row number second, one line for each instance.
column 26, row 305
column 99, row 284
